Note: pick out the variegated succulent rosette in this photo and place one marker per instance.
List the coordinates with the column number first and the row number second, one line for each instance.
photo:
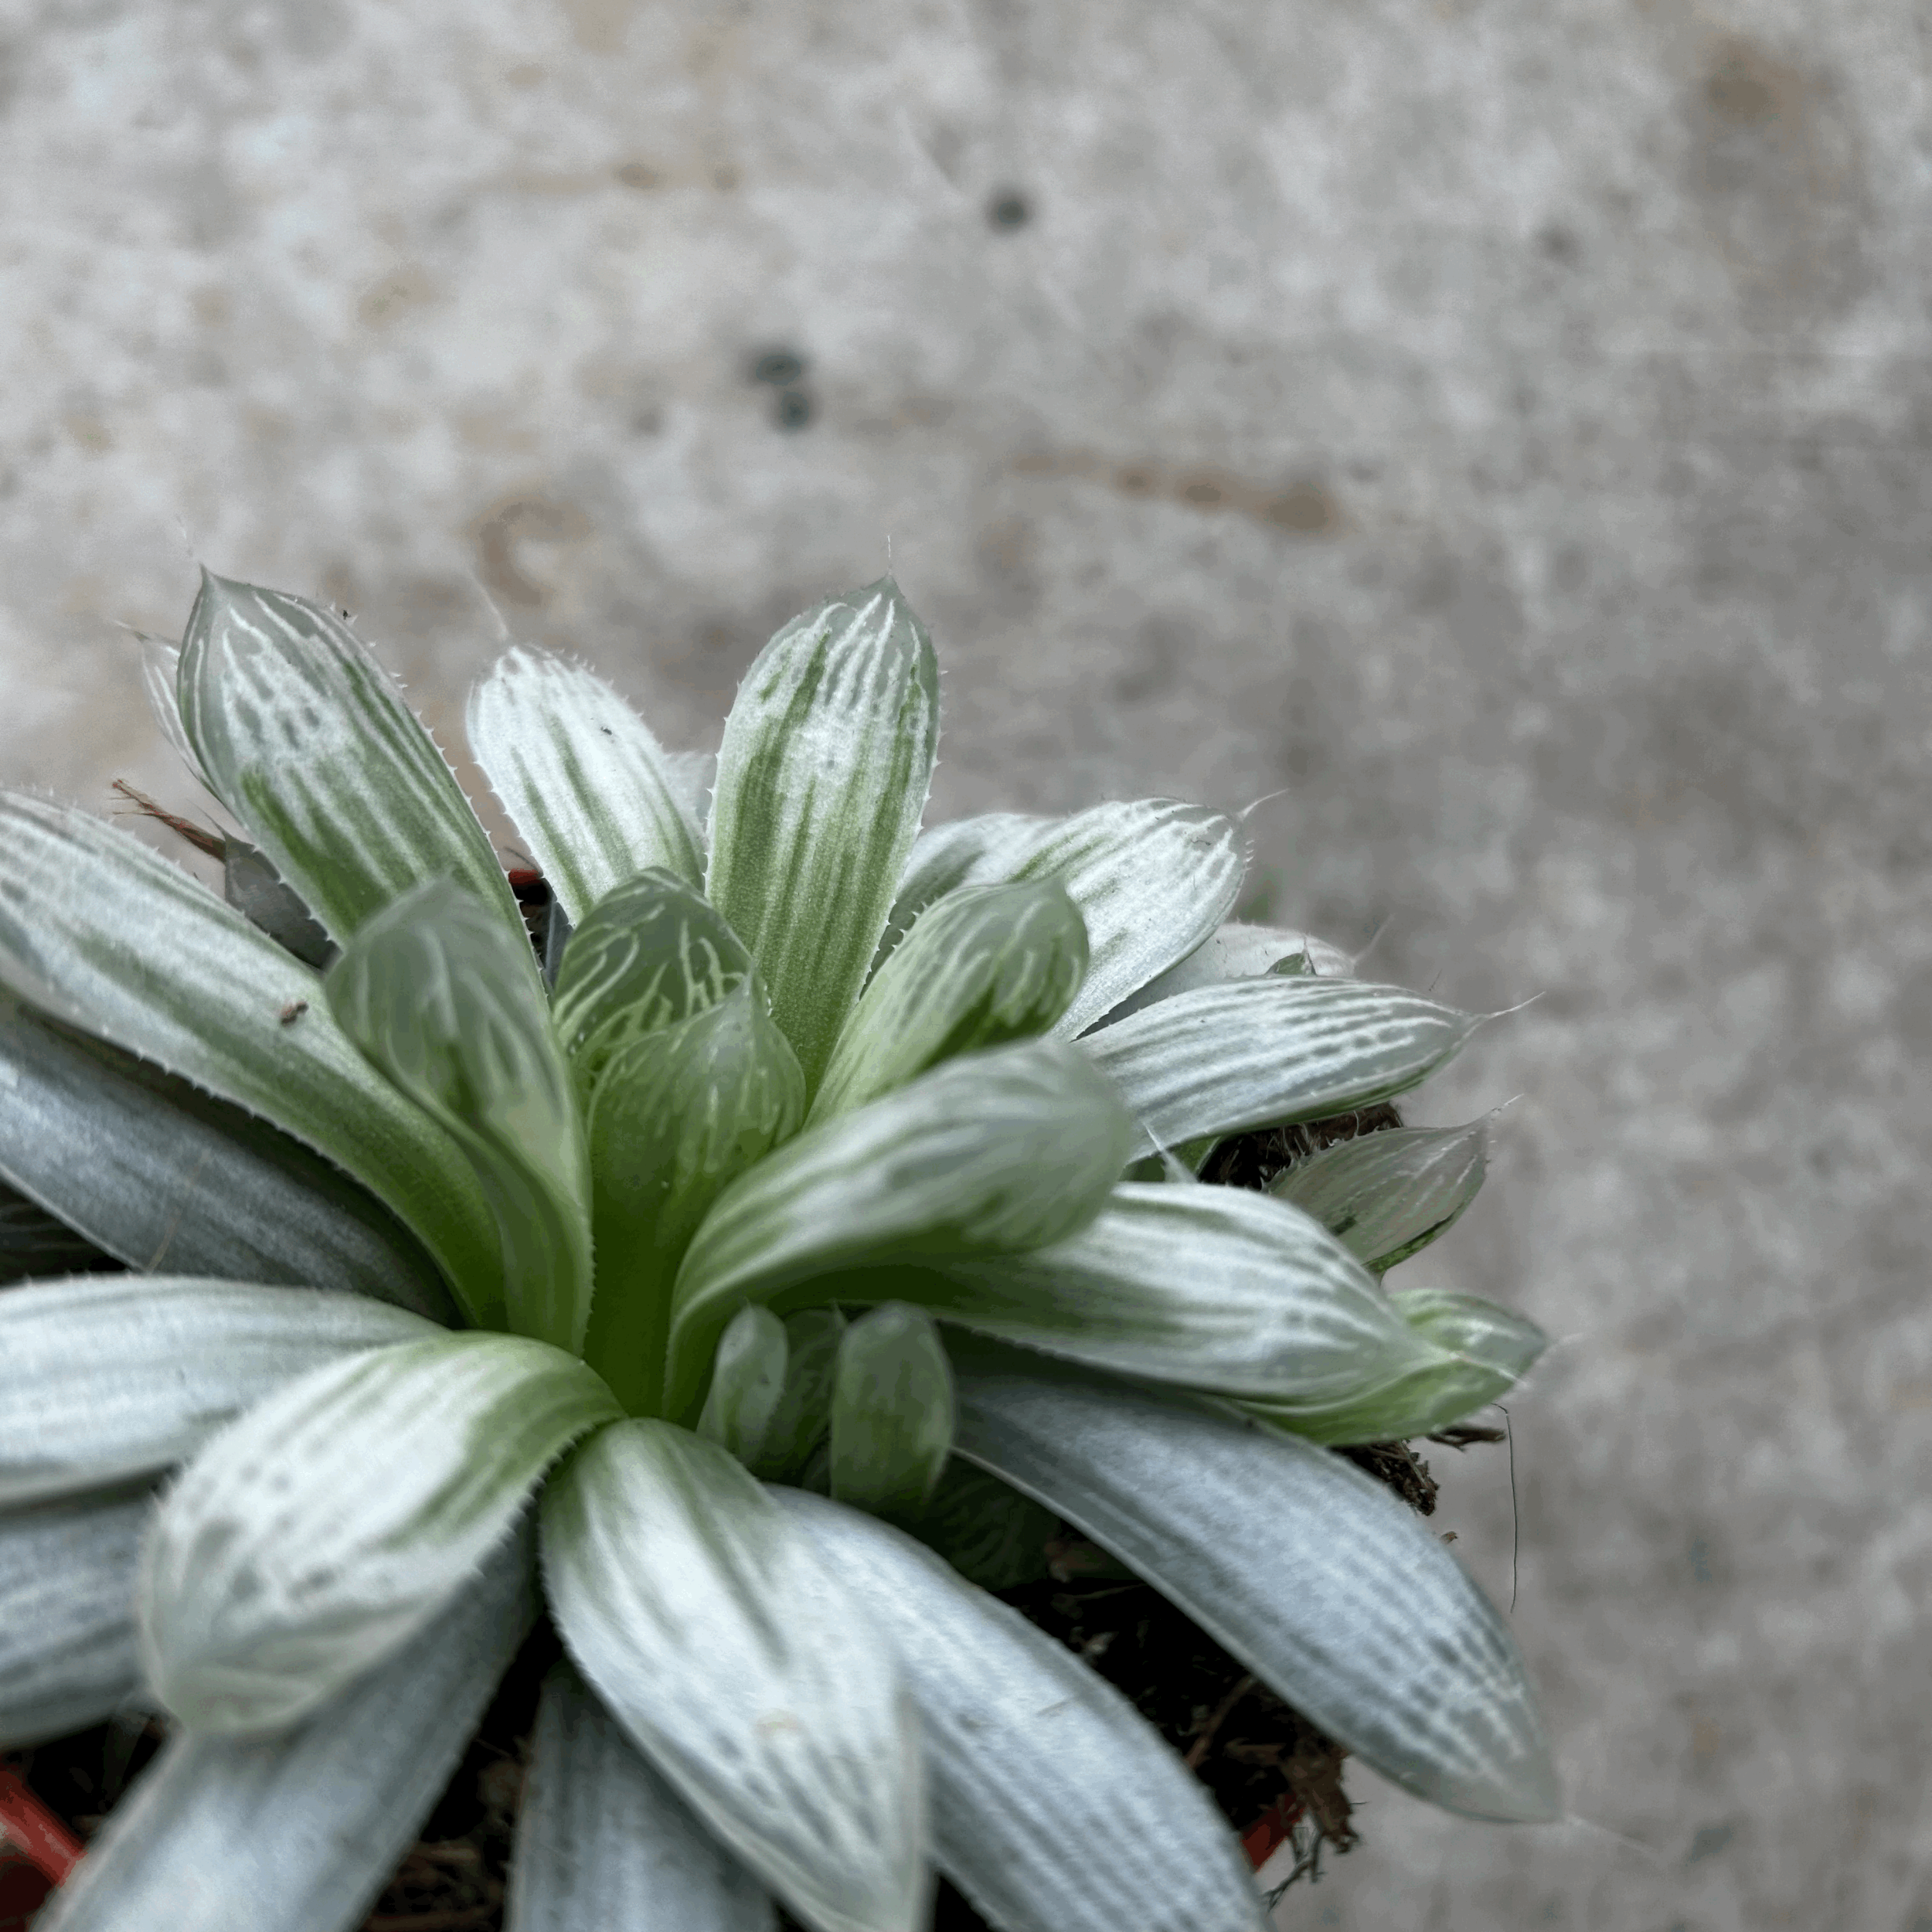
column 742, row 1280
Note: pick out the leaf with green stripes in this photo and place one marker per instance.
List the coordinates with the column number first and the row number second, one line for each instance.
column 1261, row 1052
column 105, row 934
column 988, row 964
column 315, row 1536
column 1385, row 1195
column 1236, row 950
column 892, row 1412
column 307, row 739
column 437, row 994
column 747, row 1383
column 651, row 952
column 587, row 785
column 944, row 857
column 994, row 1153
column 802, row 1418
column 822, row 776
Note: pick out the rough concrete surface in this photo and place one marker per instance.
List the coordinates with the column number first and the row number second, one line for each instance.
column 1500, row 425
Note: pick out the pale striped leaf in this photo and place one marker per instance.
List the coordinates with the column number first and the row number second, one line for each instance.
column 821, row 778
column 692, row 775
column 678, row 1115
column 997, row 1152
column 308, row 740
column 1239, row 951
column 604, row 1845
column 1261, row 1053
column 651, row 952
column 1384, row 1196
column 1057, row 1807
column 153, row 1171
column 587, row 785
column 1313, row 1574
column 988, row 964
column 107, row 935
column 1475, row 1353
column 298, row 1833
column 743, row 1669
column 315, row 1537
column 1209, row 1287
column 103, row 1378
column 67, row 1653
column 267, row 900
column 892, row 1412
column 440, row 999
column 945, row 857
column 800, row 1423
column 747, row 1384
column 160, row 675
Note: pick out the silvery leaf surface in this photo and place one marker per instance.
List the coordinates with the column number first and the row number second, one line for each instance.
column 986, row 965
column 587, row 784
column 153, row 1170
column 106, row 1377
column 1238, row 950
column 1479, row 1351
column 160, row 674
column 308, row 740
column 945, row 857
column 652, row 952
column 298, row 1833
column 1152, row 878
column 678, row 1115
column 1057, row 1807
column 691, row 774
column 821, row 779
column 744, row 1670
column 604, row 1845
column 1212, row 1288
column 315, row 1537
column 439, row 998
column 1313, row 1574
column 996, row 1152
column 1259, row 1053
column 1384, row 1196
column 892, row 1412
column 102, row 933
column 67, row 1652
column 747, row 1384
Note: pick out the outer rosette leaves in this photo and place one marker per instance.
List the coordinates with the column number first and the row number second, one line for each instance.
column 1385, row 1195
column 590, row 789
column 678, row 1114
column 1237, row 950
column 313, row 1538
column 1257, row 1053
column 308, row 740
column 994, row 1153
column 989, row 964
column 652, row 952
column 1334, row 1594
column 433, row 992
column 891, row 1413
column 743, row 1670
column 822, row 776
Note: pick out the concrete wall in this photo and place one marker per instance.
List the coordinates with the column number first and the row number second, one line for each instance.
column 1502, row 423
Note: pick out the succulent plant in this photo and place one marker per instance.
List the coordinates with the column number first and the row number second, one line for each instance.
column 751, row 1268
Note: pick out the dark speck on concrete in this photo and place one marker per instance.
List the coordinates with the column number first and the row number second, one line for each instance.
column 1008, row 210
column 793, row 410
column 781, row 368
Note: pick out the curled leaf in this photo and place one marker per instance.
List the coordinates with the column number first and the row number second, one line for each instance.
column 1384, row 1196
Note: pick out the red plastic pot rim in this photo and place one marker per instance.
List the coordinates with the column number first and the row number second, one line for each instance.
column 30, row 1829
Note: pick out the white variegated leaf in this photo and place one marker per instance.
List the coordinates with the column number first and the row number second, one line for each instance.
column 107, row 935
column 315, row 1537
column 1258, row 1052
column 106, row 1377
column 743, row 1669
column 997, row 1152
column 604, row 1845
column 586, row 784
column 67, row 1653
column 1236, row 951
column 1210, row 1287
column 944, row 857
column 1310, row 1573
column 822, row 776
column 160, row 674
column 1057, row 1807
column 299, row 1833
column 692, row 775
column 307, row 739
column 1384, row 1196
column 153, row 1171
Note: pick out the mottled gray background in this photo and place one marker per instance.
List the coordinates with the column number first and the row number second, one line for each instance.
column 1502, row 425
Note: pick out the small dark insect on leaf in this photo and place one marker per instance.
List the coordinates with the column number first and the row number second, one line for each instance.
column 293, row 1012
